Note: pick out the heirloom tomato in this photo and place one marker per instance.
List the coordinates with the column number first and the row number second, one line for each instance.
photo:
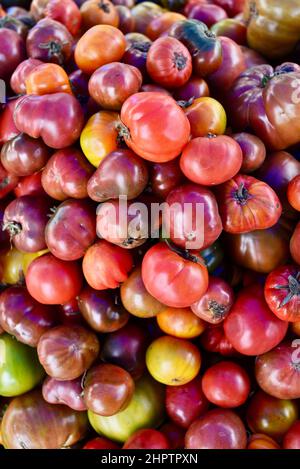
column 261, row 441
column 164, row 177
column 8, row 181
column 47, row 79
column 253, row 149
column 94, row 12
column 144, row 13
column 195, row 87
column 66, row 12
column 8, row 129
column 232, row 28
column 207, row 13
column 295, row 243
column 180, row 322
column 206, row 116
column 160, row 25
column 68, row 393
column 293, row 192
column 291, row 439
column 12, row 52
column 147, row 439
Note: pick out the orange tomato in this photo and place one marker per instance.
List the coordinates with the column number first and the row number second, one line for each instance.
column 206, row 116
column 295, row 326
column 95, row 12
column 180, row 322
column 47, row 78
column 261, row 441
column 100, row 45
column 162, row 23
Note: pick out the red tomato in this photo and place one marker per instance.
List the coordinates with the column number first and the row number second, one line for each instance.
column 154, row 126
column 66, row 12
column 293, row 192
column 52, row 281
column 100, row 442
column 106, row 265
column 147, row 439
column 214, row 340
column 173, row 279
column 247, row 204
column 17, row 81
column 261, row 441
column 295, row 243
column 251, row 326
column 254, row 151
column 8, row 129
column 282, row 292
column 291, row 439
column 30, row 185
column 8, row 181
column 169, row 62
column 203, row 157
column 226, row 384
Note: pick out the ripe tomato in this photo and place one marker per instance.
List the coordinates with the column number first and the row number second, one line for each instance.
column 172, row 279
column 214, row 340
column 12, row 266
column 94, row 12
column 195, row 88
column 154, row 126
column 251, row 327
column 226, row 384
column 294, row 244
column 8, row 181
column 99, row 136
column 100, row 45
column 46, row 79
column 100, row 443
column 208, row 14
column 261, row 441
column 66, row 12
column 169, row 63
column 291, row 439
column 293, row 192
column 12, row 52
column 144, row 13
column 18, row 78
column 206, row 116
column 106, row 265
column 282, row 292
column 173, row 361
column 203, row 157
column 180, row 322
column 254, row 151
column 52, row 281
column 147, row 439
column 29, row 185
column 233, row 28
column 247, row 204
column 161, row 24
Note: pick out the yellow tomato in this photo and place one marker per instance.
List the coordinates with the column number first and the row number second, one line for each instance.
column 206, row 116
column 28, row 257
column 100, row 136
column 173, row 361
column 180, row 322
column 12, row 263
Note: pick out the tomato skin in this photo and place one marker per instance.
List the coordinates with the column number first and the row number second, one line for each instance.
column 126, row 20
column 151, row 120
column 56, row 118
column 94, row 12
column 66, row 12
column 100, row 45
column 164, row 177
column 214, row 340
column 144, row 13
column 195, row 87
column 52, row 281
column 8, row 181
column 12, row 52
column 171, row 279
column 47, row 79
column 106, row 265
column 254, row 151
column 111, row 84
column 169, row 62
column 206, row 116
column 293, row 192
column 8, row 128
column 291, row 439
column 160, row 25
column 251, row 327
column 226, row 384
column 284, row 277
column 64, row 392
column 137, row 46
column 261, row 441
column 247, row 204
column 29, row 185
column 180, row 322
column 17, row 81
column 173, row 361
column 294, row 244
column 147, row 439
column 203, row 156
column 233, row 28
column 100, row 443
column 208, row 14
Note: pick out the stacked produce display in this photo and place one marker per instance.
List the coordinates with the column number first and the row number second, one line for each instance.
column 150, row 230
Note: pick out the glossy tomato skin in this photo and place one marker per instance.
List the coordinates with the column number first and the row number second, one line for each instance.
column 216, row 302
column 71, row 230
column 271, row 416
column 151, row 120
column 169, row 62
column 217, row 429
column 49, row 41
column 294, row 244
column 46, row 79
column 17, row 81
column 186, row 403
column 100, row 45
column 161, row 266
column 56, row 118
column 180, row 322
column 147, row 439
column 203, row 156
column 282, row 292
column 121, row 172
column 23, row 317
column 66, row 12
column 137, row 47
column 8, row 129
column 160, row 25
column 164, row 177
column 253, row 149
column 226, row 384
column 293, row 192
column 144, row 13
column 106, row 265
column 247, row 204
column 12, row 52
column 101, row 310
column 291, row 439
column 206, row 116
column 205, row 49
column 261, row 441
column 251, row 326
column 100, row 443
column 187, row 228
column 195, row 87
column 25, row 218
column 207, row 13
column 233, row 28
column 126, row 20
column 64, row 392
column 277, row 372
column 29, row 185
column 8, row 181
column 111, row 84
column 66, row 174
column 66, row 352
column 94, row 12
column 174, row 434
column 53, row 281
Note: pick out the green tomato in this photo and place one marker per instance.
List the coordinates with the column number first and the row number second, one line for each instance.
column 145, row 410
column 20, row 370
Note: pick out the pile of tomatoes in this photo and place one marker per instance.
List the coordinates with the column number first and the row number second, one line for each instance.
column 136, row 341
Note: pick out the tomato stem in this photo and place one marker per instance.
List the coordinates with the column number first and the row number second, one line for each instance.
column 184, row 104
column 179, row 61
column 55, row 49
column 241, row 195
column 293, row 288
column 218, row 311
column 13, row 228
column 183, row 253
column 104, row 6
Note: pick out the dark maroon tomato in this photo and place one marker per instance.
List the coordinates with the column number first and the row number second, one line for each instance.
column 49, row 41
column 271, row 416
column 7, row 181
column 252, row 58
column 186, row 403
column 25, row 219
column 5, row 243
column 24, row 155
column 12, row 52
column 251, row 326
column 254, row 151
column 214, row 340
column 69, row 314
column 79, row 82
column 215, row 304
column 278, row 373
column 193, row 226
column 66, row 174
column 66, row 352
column 14, row 24
column 108, row 389
column 234, row 28
column 30, row 185
column 174, row 434
column 126, row 348
column 100, row 443
column 164, row 177
column 226, row 384
column 23, row 317
column 68, row 393
column 195, row 88
column 17, row 81
column 291, row 439
column 8, row 129
column 136, row 51
column 126, row 20
column 71, row 230
column 217, row 429
column 147, row 439
column 121, row 172
column 102, row 310
column 207, row 13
